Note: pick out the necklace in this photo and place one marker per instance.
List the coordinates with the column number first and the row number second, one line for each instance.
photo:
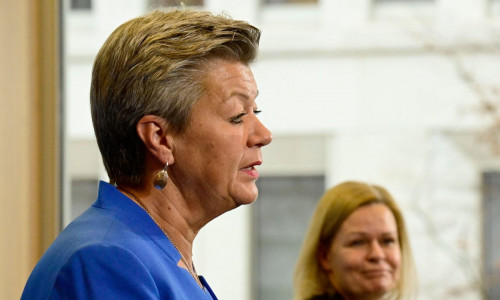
column 191, row 270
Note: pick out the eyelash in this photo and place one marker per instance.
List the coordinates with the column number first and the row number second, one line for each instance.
column 389, row 241
column 356, row 243
column 385, row 241
column 238, row 119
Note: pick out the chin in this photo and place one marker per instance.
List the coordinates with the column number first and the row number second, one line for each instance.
column 245, row 195
column 382, row 288
column 246, row 201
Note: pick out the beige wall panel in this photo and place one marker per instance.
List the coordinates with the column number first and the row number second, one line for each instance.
column 24, row 115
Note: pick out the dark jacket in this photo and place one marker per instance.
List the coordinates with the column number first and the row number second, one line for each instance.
column 327, row 297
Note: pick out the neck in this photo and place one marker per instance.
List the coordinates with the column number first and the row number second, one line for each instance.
column 168, row 218
column 170, row 222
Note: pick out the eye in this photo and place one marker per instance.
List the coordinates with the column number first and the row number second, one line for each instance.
column 238, row 118
column 356, row 243
column 388, row 241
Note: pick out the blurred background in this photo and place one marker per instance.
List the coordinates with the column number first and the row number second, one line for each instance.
column 401, row 93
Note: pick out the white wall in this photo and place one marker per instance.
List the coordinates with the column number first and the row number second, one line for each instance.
column 389, row 110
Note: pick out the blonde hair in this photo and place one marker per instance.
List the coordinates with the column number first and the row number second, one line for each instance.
column 333, row 208
column 155, row 65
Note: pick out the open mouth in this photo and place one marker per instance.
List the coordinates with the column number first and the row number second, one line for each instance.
column 250, row 169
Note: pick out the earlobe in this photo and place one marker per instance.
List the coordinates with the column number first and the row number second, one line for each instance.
column 152, row 130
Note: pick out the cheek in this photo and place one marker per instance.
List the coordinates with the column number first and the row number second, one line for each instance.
column 222, row 156
column 345, row 266
column 394, row 258
column 214, row 148
column 343, row 261
column 227, row 142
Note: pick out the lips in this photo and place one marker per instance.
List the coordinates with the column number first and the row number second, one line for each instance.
column 250, row 169
column 376, row 273
column 252, row 165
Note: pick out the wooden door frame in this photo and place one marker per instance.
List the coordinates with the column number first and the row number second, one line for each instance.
column 30, row 152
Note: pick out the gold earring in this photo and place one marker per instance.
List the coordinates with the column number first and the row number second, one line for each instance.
column 161, row 177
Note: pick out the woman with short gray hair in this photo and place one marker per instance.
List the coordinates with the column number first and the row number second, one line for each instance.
column 173, row 102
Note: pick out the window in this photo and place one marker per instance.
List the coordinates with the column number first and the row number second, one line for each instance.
column 495, row 7
column 176, row 2
column 491, row 235
column 289, row 1
column 280, row 219
column 381, row 1
column 403, row 9
column 81, row 4
column 83, row 194
column 290, row 12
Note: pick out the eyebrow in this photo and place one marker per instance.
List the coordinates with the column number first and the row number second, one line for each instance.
column 240, row 94
column 364, row 233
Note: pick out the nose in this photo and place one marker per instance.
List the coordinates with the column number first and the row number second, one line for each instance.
column 261, row 136
column 375, row 251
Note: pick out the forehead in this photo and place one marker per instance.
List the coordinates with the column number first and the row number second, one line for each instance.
column 230, row 77
column 370, row 218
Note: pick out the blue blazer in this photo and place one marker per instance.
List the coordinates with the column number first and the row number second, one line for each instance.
column 114, row 250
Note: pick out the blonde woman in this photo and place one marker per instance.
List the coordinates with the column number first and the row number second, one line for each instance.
column 356, row 248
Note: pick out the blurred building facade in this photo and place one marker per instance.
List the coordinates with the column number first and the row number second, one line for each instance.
column 394, row 92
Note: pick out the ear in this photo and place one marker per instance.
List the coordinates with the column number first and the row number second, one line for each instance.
column 324, row 257
column 152, row 130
